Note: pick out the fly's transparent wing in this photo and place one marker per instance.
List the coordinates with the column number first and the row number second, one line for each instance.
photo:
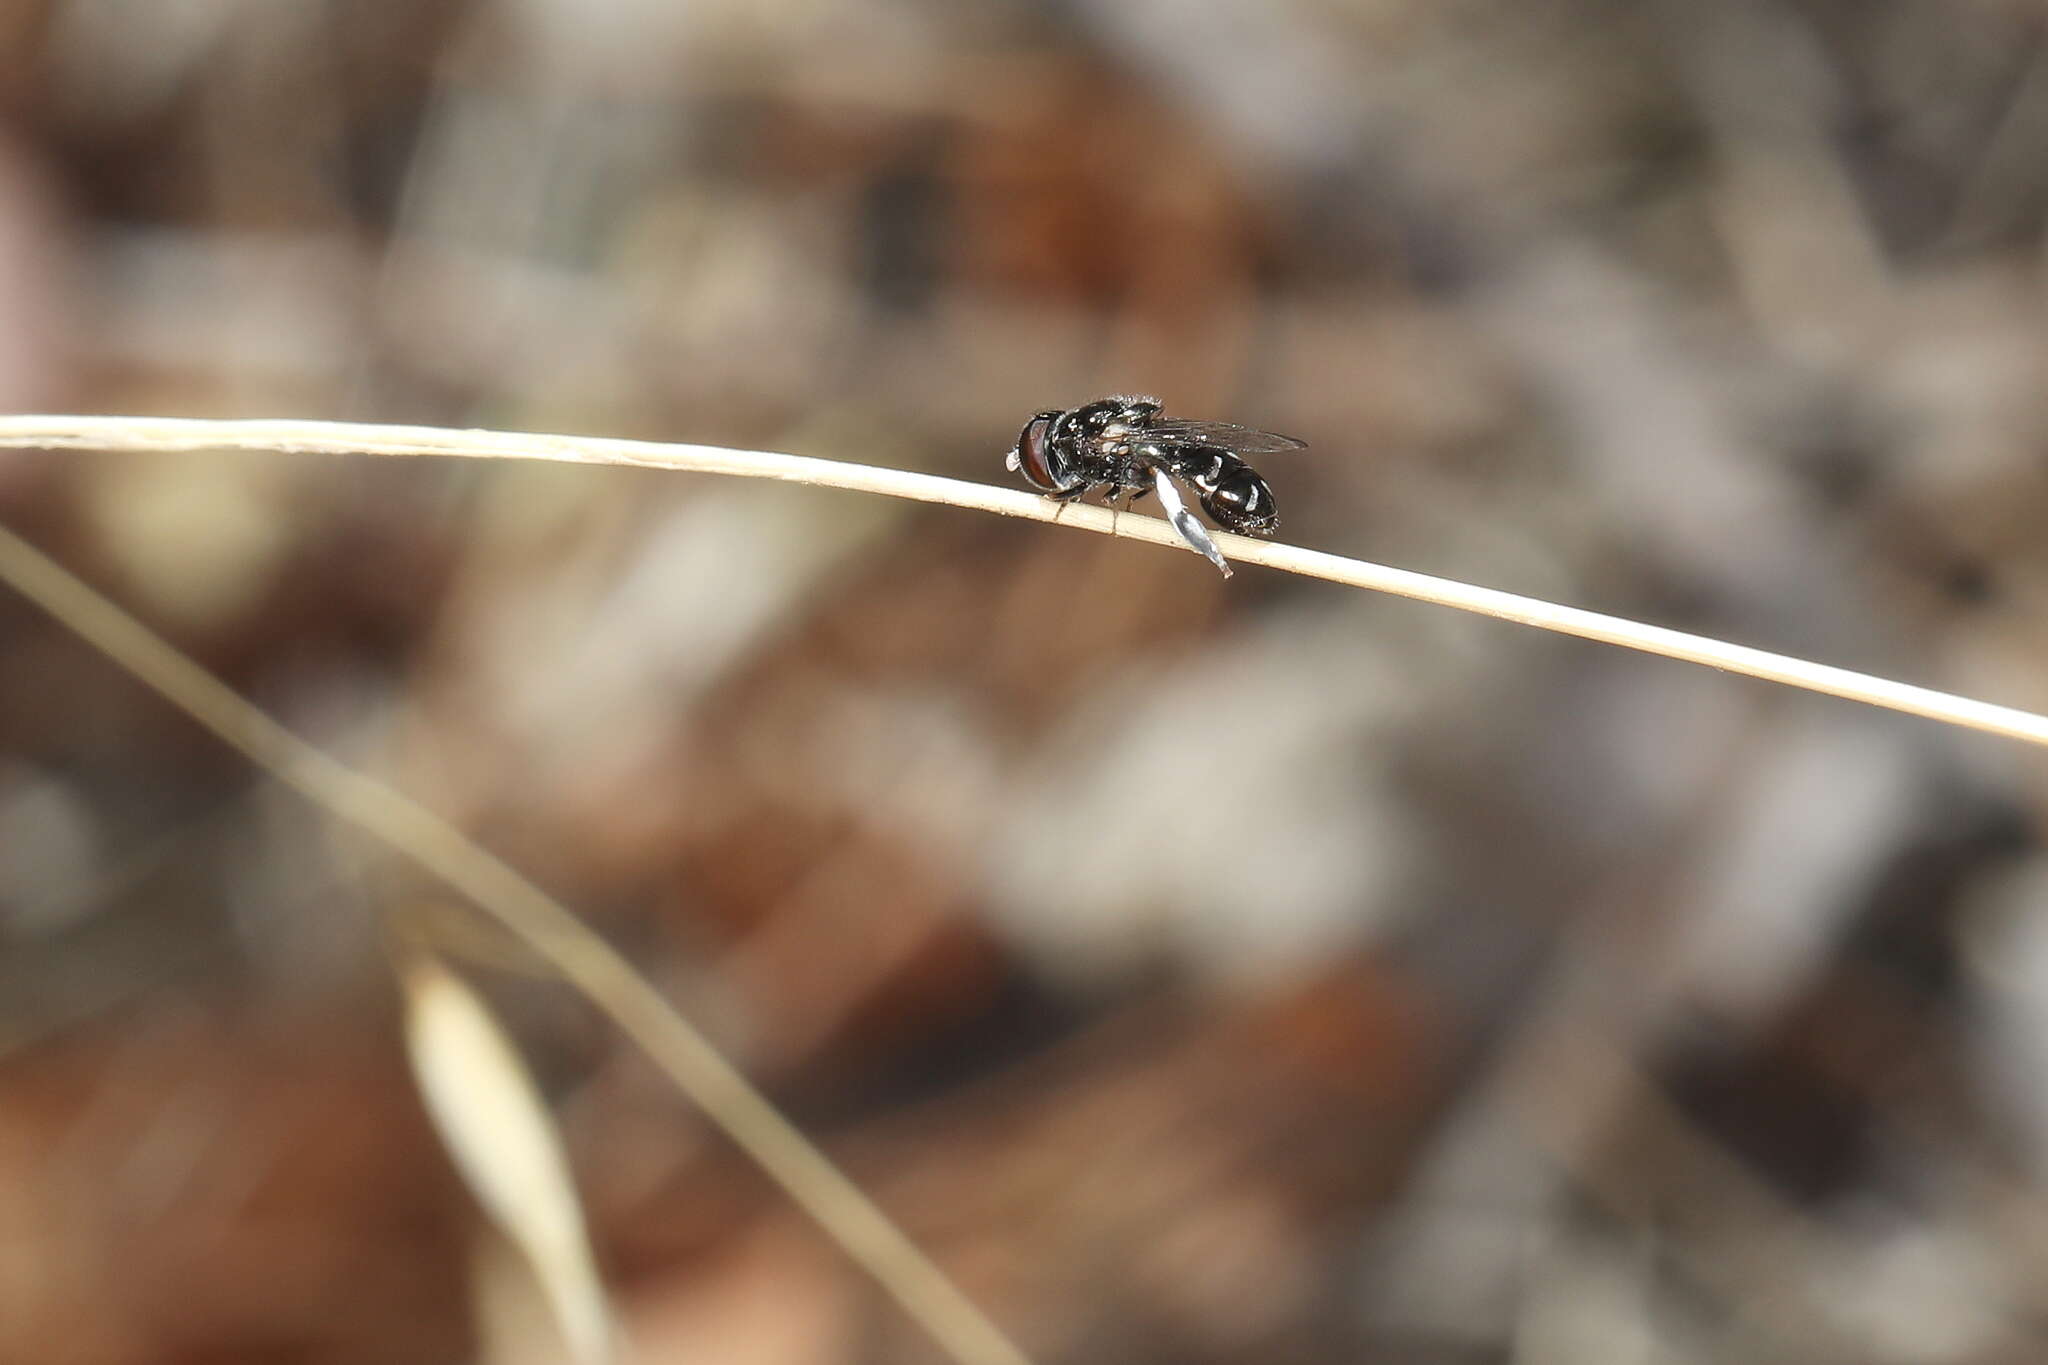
column 1223, row 435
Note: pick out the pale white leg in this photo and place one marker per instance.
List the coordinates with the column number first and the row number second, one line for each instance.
column 1191, row 530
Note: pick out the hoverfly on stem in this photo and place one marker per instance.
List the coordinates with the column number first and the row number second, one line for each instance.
column 1128, row 447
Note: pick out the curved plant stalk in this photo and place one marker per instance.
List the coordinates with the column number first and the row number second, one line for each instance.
column 169, row 434
column 551, row 930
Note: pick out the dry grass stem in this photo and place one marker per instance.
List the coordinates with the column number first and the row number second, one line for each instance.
column 169, row 435
column 574, row 950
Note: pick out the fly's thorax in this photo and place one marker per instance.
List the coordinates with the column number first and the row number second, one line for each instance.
column 1107, row 418
column 1131, row 416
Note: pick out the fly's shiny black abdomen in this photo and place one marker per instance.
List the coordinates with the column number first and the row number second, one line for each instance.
column 1126, row 446
column 1233, row 494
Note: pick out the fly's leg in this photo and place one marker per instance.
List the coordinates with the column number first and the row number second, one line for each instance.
column 1119, row 503
column 1191, row 530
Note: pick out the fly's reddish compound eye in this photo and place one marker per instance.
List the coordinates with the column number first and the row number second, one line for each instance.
column 1032, row 459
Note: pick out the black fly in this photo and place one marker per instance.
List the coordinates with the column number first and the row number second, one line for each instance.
column 1124, row 445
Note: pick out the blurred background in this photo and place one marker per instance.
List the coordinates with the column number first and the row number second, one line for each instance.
column 1202, row 971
